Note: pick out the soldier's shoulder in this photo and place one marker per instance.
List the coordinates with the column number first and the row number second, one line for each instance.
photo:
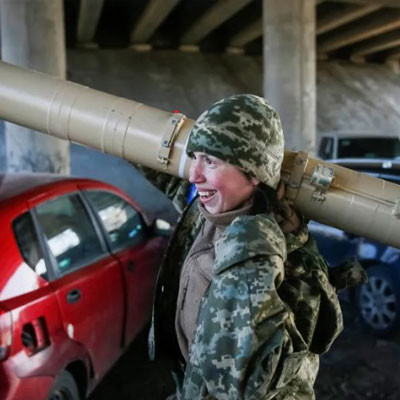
column 252, row 228
column 247, row 237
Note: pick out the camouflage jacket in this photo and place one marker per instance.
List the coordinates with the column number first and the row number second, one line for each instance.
column 268, row 312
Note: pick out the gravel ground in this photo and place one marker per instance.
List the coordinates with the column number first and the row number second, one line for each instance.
column 359, row 366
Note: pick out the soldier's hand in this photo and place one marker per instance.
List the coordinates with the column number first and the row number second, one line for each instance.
column 287, row 218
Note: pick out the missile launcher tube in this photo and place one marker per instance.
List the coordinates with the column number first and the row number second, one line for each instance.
column 327, row 193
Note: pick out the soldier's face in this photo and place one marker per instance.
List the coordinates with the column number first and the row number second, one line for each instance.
column 222, row 187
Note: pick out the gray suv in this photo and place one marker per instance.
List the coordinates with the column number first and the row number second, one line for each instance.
column 358, row 145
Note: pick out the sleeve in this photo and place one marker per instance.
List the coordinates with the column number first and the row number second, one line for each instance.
column 176, row 189
column 245, row 344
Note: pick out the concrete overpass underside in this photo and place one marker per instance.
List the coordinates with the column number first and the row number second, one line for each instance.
column 356, row 30
column 185, row 54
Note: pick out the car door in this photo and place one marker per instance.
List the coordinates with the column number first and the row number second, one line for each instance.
column 139, row 253
column 89, row 286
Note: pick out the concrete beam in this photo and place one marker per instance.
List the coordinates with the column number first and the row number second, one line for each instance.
column 89, row 15
column 248, row 34
column 212, row 18
column 393, row 55
column 387, row 21
column 343, row 15
column 152, row 17
column 383, row 42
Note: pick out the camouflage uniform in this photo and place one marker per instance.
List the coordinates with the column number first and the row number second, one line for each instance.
column 270, row 308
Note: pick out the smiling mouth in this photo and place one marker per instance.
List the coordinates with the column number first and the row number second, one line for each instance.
column 206, row 194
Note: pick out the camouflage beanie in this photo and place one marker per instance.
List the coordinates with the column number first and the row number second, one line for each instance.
column 245, row 131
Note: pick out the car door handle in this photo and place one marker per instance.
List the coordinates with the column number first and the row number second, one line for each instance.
column 73, row 296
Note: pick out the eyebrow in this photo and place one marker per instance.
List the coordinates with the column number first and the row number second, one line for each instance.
column 205, row 155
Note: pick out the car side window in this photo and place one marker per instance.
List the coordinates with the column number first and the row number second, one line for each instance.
column 122, row 223
column 69, row 233
column 28, row 244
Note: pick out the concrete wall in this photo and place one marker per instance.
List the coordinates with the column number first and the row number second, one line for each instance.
column 349, row 97
column 358, row 97
column 169, row 80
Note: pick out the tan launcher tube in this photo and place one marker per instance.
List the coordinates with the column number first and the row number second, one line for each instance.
column 327, row 193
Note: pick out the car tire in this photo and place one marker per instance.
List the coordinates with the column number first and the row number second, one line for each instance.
column 64, row 388
column 378, row 300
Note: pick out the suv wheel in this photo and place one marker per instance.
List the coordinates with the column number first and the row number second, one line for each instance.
column 378, row 300
column 64, row 388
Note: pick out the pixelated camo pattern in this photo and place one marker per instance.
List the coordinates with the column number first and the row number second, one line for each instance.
column 176, row 189
column 247, row 237
column 245, row 131
column 251, row 342
column 262, row 321
column 230, row 354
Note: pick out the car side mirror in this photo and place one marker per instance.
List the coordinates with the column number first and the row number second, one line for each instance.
column 162, row 227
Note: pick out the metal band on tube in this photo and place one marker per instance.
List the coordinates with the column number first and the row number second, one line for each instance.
column 184, row 160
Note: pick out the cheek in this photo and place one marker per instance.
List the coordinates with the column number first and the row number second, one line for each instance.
column 232, row 187
column 214, row 178
column 235, row 190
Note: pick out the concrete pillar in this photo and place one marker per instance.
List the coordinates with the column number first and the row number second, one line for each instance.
column 289, row 68
column 32, row 35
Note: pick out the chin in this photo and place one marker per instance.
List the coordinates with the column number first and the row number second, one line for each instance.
column 213, row 210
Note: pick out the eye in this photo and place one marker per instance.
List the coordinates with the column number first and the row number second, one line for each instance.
column 208, row 161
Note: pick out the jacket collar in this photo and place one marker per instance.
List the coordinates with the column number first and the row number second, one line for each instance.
column 222, row 220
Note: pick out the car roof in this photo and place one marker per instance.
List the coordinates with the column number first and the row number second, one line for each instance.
column 360, row 134
column 15, row 184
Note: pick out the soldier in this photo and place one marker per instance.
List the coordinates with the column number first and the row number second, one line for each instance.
column 243, row 301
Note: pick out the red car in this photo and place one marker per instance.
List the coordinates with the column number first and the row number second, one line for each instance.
column 78, row 265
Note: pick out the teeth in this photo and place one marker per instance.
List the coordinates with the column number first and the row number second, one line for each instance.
column 209, row 193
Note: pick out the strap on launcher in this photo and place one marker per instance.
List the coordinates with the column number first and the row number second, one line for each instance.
column 321, row 179
column 167, row 141
column 296, row 176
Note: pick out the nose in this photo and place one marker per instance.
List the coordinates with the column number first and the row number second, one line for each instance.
column 196, row 172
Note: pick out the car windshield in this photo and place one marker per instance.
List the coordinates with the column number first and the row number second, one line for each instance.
column 369, row 148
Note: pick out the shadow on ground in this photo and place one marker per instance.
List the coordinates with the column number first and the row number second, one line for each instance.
column 135, row 377
column 359, row 366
